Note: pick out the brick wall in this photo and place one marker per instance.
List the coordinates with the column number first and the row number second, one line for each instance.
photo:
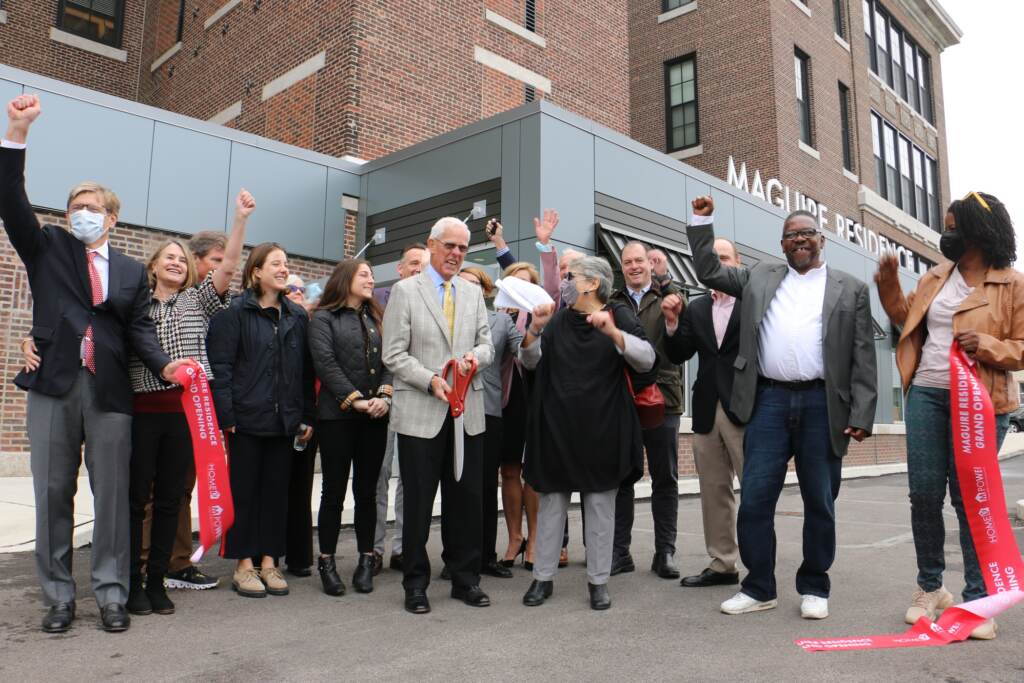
column 16, row 320
column 26, row 44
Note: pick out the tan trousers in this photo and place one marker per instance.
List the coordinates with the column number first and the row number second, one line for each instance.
column 718, row 455
column 182, row 553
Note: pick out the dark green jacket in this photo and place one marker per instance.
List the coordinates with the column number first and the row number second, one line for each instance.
column 670, row 375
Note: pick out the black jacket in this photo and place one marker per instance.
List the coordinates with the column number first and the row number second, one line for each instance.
column 62, row 309
column 346, row 349
column 262, row 373
column 696, row 334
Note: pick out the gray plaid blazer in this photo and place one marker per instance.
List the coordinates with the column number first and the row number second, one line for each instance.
column 417, row 344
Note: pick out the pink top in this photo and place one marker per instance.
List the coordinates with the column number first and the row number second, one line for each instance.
column 721, row 311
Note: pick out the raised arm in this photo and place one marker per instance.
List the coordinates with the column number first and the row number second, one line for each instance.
column 19, row 220
column 890, row 292
column 496, row 235
column 244, row 206
column 710, row 271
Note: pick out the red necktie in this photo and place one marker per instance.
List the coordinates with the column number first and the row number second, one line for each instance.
column 97, row 299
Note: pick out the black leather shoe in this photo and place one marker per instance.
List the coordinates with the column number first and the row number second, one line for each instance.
column 496, row 570
column 416, row 601
column 114, row 618
column 599, row 598
column 538, row 592
column 157, row 595
column 445, row 574
column 396, row 562
column 328, row 571
column 362, row 580
column 709, row 577
column 623, row 564
column 301, row 572
column 664, row 565
column 59, row 617
column 472, row 596
column 138, row 601
column 378, row 563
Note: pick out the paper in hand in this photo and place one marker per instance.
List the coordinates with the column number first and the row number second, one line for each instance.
column 520, row 294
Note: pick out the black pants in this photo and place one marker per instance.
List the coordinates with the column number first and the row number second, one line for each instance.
column 259, row 467
column 161, row 455
column 493, row 440
column 299, row 535
column 661, row 445
column 358, row 443
column 424, row 463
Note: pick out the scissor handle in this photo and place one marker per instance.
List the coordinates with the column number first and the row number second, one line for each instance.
column 459, row 386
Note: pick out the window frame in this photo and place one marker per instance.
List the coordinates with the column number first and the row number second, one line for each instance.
column 926, row 211
column 805, row 112
column 669, row 128
column 839, row 18
column 669, row 5
column 118, row 21
column 181, row 21
column 846, row 127
column 919, row 72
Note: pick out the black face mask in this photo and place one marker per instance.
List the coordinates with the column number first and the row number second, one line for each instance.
column 951, row 244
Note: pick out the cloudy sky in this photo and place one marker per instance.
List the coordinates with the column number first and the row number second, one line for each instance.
column 981, row 81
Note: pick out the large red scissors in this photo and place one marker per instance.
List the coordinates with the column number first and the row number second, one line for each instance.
column 457, row 405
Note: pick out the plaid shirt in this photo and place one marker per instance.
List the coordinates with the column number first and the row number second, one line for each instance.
column 181, row 325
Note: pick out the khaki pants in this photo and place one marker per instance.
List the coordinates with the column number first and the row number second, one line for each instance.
column 718, row 455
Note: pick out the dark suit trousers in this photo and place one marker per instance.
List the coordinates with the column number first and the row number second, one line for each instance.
column 661, row 444
column 423, row 464
column 786, row 424
column 493, row 439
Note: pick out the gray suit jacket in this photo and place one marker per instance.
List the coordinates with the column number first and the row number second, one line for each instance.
column 507, row 339
column 417, row 344
column 848, row 343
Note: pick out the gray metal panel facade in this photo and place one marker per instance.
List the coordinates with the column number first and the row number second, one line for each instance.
column 188, row 181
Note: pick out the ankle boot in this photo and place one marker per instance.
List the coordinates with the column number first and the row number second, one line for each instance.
column 157, row 595
column 599, row 598
column 138, row 601
column 329, row 576
column 362, row 580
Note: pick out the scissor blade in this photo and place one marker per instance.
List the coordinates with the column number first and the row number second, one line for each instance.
column 458, row 439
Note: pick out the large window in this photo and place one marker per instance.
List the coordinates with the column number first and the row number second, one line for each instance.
column 98, row 20
column 904, row 174
column 897, row 59
column 802, row 69
column 845, row 121
column 681, row 103
column 839, row 17
column 667, row 5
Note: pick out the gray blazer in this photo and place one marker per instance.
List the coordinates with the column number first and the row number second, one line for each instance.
column 506, row 338
column 417, row 344
column 848, row 342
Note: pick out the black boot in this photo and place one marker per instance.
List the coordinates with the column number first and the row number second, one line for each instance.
column 599, row 598
column 537, row 593
column 157, row 595
column 362, row 580
column 329, row 576
column 138, row 601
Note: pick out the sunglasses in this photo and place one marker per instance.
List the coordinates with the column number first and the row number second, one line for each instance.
column 295, row 288
column 980, row 199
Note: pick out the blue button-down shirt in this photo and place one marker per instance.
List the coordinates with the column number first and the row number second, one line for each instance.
column 439, row 281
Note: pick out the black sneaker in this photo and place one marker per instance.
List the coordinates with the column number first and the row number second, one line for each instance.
column 190, row 578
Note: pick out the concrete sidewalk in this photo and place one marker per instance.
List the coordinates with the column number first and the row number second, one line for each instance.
column 17, row 501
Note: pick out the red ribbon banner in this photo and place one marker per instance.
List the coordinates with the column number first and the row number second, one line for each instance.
column 981, row 486
column 216, row 508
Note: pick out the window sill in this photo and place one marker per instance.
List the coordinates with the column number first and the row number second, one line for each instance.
column 916, row 114
column 227, row 115
column 851, row 175
column 802, row 7
column 842, row 43
column 92, row 46
column 681, row 154
column 164, row 57
column 807, row 149
column 219, row 14
column 512, row 27
column 677, row 12
column 871, row 201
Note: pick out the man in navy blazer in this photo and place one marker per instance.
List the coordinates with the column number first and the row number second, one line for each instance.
column 90, row 305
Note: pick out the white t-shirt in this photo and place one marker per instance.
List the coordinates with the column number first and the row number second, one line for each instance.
column 933, row 370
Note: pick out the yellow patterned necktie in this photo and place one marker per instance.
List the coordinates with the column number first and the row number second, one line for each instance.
column 449, row 307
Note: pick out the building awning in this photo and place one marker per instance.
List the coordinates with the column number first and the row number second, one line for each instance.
column 680, row 264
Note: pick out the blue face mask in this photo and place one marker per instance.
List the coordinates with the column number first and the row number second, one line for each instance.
column 87, row 226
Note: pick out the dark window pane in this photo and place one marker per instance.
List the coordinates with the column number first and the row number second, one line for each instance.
column 801, row 65
column 846, row 128
column 667, row 5
column 838, row 19
column 906, row 183
column 924, row 83
column 681, row 103
column 97, row 20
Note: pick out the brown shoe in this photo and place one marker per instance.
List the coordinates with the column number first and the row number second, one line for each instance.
column 273, row 579
column 986, row 631
column 246, row 583
column 926, row 604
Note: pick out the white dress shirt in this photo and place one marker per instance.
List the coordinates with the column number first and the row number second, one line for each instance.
column 101, row 262
column 638, row 294
column 789, row 345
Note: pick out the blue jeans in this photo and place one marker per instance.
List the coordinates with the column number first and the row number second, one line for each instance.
column 930, row 470
column 788, row 423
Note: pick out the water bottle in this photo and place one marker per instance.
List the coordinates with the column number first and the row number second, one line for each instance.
column 298, row 444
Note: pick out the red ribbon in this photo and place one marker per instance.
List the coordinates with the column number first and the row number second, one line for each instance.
column 216, row 508
column 981, row 486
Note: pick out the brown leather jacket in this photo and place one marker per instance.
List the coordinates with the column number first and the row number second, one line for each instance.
column 995, row 310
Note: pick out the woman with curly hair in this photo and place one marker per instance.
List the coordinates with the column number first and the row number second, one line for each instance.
column 977, row 300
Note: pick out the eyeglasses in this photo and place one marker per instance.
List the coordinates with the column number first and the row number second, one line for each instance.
column 452, row 246
column 806, row 233
column 94, row 208
column 295, row 288
column 569, row 275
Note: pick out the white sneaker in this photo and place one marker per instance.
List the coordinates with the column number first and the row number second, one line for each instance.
column 741, row 603
column 813, row 607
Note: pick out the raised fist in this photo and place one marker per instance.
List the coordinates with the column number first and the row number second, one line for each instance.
column 244, row 203
column 703, row 205
column 21, row 112
column 672, row 308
